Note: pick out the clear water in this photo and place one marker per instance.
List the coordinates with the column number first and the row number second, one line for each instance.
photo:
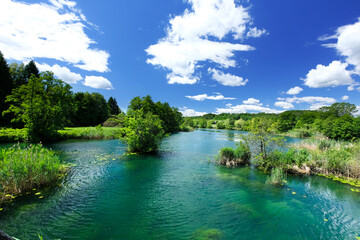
column 176, row 195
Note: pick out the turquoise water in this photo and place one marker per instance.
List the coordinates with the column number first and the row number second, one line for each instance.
column 179, row 194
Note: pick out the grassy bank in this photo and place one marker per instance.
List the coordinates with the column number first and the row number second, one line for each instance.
column 26, row 168
column 10, row 135
column 90, row 133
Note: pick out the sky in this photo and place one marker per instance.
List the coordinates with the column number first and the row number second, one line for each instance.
column 201, row 56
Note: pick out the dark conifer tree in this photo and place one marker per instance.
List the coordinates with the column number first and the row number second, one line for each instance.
column 30, row 69
column 113, row 106
column 6, row 86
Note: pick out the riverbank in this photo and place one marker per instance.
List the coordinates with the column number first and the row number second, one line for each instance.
column 10, row 135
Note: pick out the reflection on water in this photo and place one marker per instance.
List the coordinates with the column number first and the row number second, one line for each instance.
column 179, row 194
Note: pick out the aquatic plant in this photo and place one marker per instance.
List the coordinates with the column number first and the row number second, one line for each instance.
column 207, row 234
column 25, row 168
column 277, row 177
column 235, row 157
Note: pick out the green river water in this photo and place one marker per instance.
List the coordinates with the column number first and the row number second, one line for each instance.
column 179, row 194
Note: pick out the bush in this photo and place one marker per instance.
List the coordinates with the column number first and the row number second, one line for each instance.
column 235, row 157
column 143, row 132
column 220, row 125
column 22, row 169
column 243, row 152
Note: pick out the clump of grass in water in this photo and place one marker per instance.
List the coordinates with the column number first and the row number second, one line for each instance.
column 207, row 234
column 277, row 177
column 235, row 157
column 25, row 168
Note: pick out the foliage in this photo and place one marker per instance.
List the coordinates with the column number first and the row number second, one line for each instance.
column 13, row 135
column 22, row 169
column 143, row 132
column 115, row 121
column 6, row 87
column 91, row 109
column 113, row 106
column 170, row 117
column 43, row 105
column 220, row 125
column 235, row 157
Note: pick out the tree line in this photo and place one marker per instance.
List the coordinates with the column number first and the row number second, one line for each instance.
column 43, row 104
column 337, row 121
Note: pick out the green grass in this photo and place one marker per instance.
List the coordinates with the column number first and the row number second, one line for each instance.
column 277, row 177
column 25, row 168
column 13, row 135
column 90, row 133
column 235, row 157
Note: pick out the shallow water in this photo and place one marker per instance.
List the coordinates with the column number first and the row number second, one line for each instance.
column 179, row 194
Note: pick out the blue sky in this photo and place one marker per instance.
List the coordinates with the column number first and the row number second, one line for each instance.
column 202, row 56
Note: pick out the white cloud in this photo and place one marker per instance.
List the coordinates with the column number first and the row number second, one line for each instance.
column 348, row 43
column 345, row 98
column 252, row 101
column 316, row 106
column 191, row 112
column 246, row 108
column 255, row 32
column 54, row 30
column 227, row 79
column 203, row 97
column 62, row 73
column 309, row 99
column 329, row 76
column 294, row 91
column 284, row 105
column 98, row 82
column 187, row 44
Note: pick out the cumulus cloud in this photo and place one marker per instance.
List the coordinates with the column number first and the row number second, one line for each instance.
column 345, row 98
column 252, row 101
column 197, row 36
column 316, row 102
column 246, row 108
column 54, row 30
column 227, row 79
column 333, row 75
column 348, row 44
column 294, row 91
column 284, row 105
column 98, row 82
column 62, row 73
column 203, row 97
column 191, row 112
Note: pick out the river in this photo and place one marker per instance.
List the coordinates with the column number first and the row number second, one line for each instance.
column 179, row 194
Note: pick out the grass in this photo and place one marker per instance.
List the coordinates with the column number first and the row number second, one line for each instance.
column 235, row 157
column 90, row 133
column 13, row 135
column 277, row 177
column 26, row 168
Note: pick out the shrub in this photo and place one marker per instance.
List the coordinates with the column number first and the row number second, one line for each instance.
column 235, row 157
column 243, row 152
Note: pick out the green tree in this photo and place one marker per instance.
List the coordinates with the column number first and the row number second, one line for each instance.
column 31, row 69
column 91, row 109
column 43, row 105
column 262, row 140
column 6, row 86
column 143, row 132
column 113, row 106
column 340, row 109
column 17, row 72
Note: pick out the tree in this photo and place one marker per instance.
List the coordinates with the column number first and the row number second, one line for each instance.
column 340, row 109
column 262, row 140
column 5, row 86
column 31, row 69
column 143, row 132
column 17, row 72
column 43, row 105
column 113, row 106
column 91, row 109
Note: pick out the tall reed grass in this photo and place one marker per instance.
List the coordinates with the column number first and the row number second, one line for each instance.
column 25, row 168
